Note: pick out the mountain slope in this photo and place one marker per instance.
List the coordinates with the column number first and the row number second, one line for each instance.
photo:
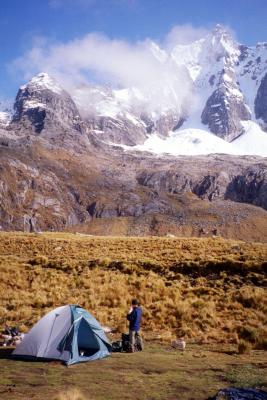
column 213, row 84
column 50, row 189
column 43, row 108
column 94, row 158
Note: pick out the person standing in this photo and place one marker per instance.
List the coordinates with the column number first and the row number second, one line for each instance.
column 134, row 317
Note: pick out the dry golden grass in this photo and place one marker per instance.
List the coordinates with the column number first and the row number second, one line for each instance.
column 202, row 289
column 70, row 394
column 244, row 347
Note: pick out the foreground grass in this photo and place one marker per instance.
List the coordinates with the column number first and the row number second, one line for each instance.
column 206, row 290
column 157, row 373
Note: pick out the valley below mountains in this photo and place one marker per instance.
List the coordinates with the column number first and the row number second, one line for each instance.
column 115, row 162
column 44, row 188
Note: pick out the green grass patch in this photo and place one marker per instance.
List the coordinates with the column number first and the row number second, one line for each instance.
column 158, row 373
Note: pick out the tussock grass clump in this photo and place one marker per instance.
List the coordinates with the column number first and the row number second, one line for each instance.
column 244, row 347
column 200, row 289
column 70, row 394
column 246, row 375
column 248, row 334
column 39, row 260
column 252, row 297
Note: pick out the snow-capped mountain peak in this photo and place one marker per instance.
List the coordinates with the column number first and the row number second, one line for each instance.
column 213, row 85
column 219, row 47
column 43, row 106
column 157, row 52
column 43, row 81
column 222, row 40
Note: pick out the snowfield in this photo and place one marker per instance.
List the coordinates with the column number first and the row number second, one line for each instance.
column 253, row 141
column 214, row 76
column 4, row 118
column 186, row 142
column 200, row 142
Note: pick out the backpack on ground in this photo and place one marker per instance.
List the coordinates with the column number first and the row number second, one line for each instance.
column 116, row 347
column 125, row 341
column 126, row 344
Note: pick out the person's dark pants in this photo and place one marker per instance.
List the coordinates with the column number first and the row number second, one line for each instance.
column 135, row 336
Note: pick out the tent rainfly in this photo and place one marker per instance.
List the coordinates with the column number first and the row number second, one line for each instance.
column 68, row 333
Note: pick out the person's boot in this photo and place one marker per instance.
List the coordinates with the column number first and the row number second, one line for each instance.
column 131, row 349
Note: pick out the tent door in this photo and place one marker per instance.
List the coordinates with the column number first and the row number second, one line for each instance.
column 88, row 345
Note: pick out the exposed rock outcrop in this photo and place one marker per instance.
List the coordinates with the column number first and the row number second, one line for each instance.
column 166, row 123
column 140, row 195
column 261, row 102
column 43, row 108
column 251, row 187
column 65, row 163
column 227, row 181
column 225, row 108
column 119, row 130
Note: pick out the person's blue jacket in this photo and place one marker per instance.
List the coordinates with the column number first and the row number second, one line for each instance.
column 135, row 319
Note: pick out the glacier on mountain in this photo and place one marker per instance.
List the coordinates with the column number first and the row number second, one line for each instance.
column 200, row 142
column 207, row 97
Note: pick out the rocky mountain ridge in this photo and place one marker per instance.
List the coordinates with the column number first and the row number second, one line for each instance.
column 226, row 85
column 67, row 167
column 45, row 188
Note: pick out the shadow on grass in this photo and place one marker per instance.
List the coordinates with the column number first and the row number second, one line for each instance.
column 5, row 353
column 228, row 352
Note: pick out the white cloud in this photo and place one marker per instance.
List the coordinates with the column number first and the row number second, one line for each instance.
column 184, row 34
column 118, row 63
column 113, row 61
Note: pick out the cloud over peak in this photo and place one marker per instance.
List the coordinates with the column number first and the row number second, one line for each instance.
column 97, row 59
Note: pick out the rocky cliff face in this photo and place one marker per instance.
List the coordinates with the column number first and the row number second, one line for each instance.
column 119, row 130
column 166, row 123
column 132, row 127
column 43, row 104
column 64, row 166
column 249, row 187
column 261, row 102
column 224, row 110
column 227, row 77
column 49, row 189
column 225, row 85
column 226, row 181
column 43, row 108
column 226, row 106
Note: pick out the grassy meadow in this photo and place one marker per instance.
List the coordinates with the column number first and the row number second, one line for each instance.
column 158, row 373
column 211, row 291
column 205, row 290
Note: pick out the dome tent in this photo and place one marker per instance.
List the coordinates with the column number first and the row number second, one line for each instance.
column 68, row 333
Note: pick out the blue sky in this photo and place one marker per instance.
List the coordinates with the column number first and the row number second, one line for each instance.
column 23, row 23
